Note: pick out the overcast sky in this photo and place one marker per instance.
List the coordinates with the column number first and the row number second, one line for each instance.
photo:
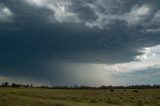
column 83, row 42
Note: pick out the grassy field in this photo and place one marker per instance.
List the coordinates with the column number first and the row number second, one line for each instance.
column 52, row 97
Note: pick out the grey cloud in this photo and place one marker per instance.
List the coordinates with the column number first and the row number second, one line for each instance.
column 99, row 13
column 29, row 50
column 147, row 75
column 5, row 14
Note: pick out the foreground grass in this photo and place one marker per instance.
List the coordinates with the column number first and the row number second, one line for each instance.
column 51, row 97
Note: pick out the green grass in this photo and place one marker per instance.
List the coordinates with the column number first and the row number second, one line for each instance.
column 51, row 97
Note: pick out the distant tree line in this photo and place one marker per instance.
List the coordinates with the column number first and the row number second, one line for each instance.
column 105, row 87
column 7, row 84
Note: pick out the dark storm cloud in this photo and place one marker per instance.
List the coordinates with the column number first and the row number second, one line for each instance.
column 100, row 33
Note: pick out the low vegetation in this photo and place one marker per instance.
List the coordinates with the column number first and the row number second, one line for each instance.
column 10, row 96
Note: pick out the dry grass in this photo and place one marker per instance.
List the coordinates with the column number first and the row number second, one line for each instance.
column 49, row 97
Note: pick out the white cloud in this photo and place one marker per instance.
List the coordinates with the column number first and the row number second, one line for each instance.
column 60, row 9
column 5, row 14
column 137, row 14
column 149, row 58
column 153, row 30
column 149, row 53
column 156, row 18
column 103, row 17
column 106, row 11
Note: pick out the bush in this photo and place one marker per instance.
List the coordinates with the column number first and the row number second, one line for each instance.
column 113, row 101
column 139, row 103
column 60, row 104
column 158, row 104
column 93, row 101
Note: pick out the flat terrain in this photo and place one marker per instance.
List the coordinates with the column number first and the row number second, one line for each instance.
column 52, row 97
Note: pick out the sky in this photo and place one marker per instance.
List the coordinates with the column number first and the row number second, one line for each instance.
column 82, row 42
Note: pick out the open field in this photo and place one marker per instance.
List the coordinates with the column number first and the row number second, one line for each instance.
column 52, row 97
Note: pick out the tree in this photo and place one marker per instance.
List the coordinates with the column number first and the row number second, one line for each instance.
column 2, row 84
column 31, row 85
column 6, row 84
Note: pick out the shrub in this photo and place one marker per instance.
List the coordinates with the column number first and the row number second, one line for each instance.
column 139, row 103
column 60, row 104
column 93, row 101
column 158, row 104
column 136, row 91
column 113, row 101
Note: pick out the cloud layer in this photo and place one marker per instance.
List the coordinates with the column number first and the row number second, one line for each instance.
column 99, row 13
column 5, row 14
column 48, row 37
